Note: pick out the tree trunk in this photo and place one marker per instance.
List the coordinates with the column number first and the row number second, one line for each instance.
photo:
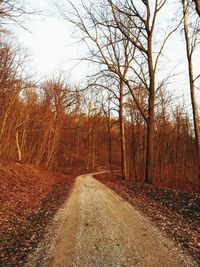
column 150, row 124
column 18, row 146
column 77, row 146
column 192, row 89
column 122, row 135
column 89, row 151
column 93, row 151
column 149, row 151
column 109, row 146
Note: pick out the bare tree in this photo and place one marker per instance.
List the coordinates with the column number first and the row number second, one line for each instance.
column 143, row 15
column 12, row 82
column 190, row 48
column 129, row 27
column 112, row 52
column 61, row 101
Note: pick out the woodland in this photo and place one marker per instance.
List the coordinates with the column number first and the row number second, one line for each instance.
column 124, row 117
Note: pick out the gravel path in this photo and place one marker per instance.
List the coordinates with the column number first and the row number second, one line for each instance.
column 97, row 228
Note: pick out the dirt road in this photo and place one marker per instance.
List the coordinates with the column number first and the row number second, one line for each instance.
column 97, row 228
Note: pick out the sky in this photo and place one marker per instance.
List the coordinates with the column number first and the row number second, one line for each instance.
column 50, row 43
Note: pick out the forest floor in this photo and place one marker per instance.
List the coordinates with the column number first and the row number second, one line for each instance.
column 175, row 213
column 29, row 199
column 95, row 227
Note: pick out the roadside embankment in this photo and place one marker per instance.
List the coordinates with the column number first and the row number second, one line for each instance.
column 29, row 198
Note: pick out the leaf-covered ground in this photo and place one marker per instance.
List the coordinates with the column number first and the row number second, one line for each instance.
column 29, row 198
column 177, row 214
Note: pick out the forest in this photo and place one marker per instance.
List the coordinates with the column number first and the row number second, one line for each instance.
column 104, row 170
column 124, row 117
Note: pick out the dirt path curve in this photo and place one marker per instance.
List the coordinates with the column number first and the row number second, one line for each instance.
column 97, row 228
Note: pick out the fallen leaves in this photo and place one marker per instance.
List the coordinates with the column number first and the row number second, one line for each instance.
column 29, row 199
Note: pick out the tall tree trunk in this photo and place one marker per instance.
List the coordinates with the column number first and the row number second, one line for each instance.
column 109, row 145
column 150, row 124
column 133, row 167
column 192, row 89
column 122, row 134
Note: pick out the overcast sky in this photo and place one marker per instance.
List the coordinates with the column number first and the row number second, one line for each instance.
column 48, row 40
column 52, row 49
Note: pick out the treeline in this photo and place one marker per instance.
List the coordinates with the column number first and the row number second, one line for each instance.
column 56, row 127
column 123, row 118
